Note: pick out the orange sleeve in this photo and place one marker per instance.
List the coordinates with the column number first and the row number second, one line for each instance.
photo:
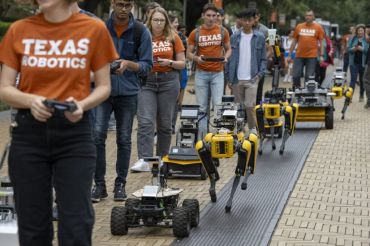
column 191, row 39
column 179, row 47
column 104, row 51
column 8, row 54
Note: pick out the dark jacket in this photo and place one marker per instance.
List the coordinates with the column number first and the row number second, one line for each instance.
column 127, row 84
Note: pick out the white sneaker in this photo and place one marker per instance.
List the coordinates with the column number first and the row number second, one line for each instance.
column 140, row 166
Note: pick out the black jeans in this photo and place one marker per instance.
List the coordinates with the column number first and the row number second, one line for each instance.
column 299, row 63
column 42, row 155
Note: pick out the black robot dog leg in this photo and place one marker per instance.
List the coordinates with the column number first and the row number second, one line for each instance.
column 233, row 189
column 272, row 132
column 260, row 126
column 288, row 119
column 209, row 165
column 348, row 95
column 251, row 158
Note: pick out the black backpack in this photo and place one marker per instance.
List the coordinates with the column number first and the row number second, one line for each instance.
column 138, row 31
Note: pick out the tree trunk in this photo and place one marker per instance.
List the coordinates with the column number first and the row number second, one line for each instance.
column 193, row 12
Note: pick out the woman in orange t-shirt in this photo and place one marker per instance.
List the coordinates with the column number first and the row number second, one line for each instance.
column 158, row 97
column 54, row 53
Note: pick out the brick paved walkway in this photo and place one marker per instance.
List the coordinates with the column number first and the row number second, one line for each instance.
column 329, row 205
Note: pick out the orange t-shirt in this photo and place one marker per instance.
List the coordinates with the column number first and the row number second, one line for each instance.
column 55, row 59
column 120, row 29
column 209, row 44
column 308, row 37
column 163, row 48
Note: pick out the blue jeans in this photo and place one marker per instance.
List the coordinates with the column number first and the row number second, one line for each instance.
column 58, row 154
column 124, row 108
column 299, row 63
column 205, row 81
column 357, row 70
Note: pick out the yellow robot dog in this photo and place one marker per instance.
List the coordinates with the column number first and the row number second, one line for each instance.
column 270, row 111
column 341, row 88
column 228, row 139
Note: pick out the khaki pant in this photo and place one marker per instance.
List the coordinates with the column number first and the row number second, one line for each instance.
column 245, row 92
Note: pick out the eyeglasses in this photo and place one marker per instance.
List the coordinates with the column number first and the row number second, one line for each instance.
column 124, row 5
column 159, row 21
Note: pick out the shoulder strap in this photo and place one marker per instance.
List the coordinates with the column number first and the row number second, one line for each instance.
column 138, row 31
column 222, row 30
column 197, row 30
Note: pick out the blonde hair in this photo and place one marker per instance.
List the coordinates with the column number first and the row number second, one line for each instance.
column 168, row 31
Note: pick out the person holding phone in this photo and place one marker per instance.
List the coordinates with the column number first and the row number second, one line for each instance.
column 54, row 53
column 157, row 99
column 357, row 48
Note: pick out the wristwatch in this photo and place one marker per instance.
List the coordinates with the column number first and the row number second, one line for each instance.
column 171, row 62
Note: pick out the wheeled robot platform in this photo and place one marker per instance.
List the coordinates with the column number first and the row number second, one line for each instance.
column 315, row 104
column 156, row 205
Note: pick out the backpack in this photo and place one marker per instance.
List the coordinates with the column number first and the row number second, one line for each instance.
column 138, row 31
column 222, row 30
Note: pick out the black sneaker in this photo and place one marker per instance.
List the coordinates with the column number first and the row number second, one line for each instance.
column 119, row 193
column 98, row 193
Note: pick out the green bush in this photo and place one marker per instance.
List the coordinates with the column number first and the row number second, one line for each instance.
column 4, row 27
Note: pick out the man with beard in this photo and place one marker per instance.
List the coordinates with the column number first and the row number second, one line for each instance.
column 134, row 46
column 307, row 36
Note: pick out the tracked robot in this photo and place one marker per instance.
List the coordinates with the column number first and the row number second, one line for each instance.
column 224, row 143
column 274, row 107
column 341, row 89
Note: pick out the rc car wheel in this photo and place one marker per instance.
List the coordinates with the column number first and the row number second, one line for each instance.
column 130, row 204
column 329, row 118
column 181, row 222
column 118, row 221
column 193, row 206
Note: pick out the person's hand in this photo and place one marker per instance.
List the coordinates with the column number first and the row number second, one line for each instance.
column 123, row 67
column 225, row 60
column 289, row 60
column 39, row 110
column 76, row 115
column 164, row 62
column 321, row 59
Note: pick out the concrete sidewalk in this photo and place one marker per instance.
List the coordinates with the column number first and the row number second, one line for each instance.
column 330, row 203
